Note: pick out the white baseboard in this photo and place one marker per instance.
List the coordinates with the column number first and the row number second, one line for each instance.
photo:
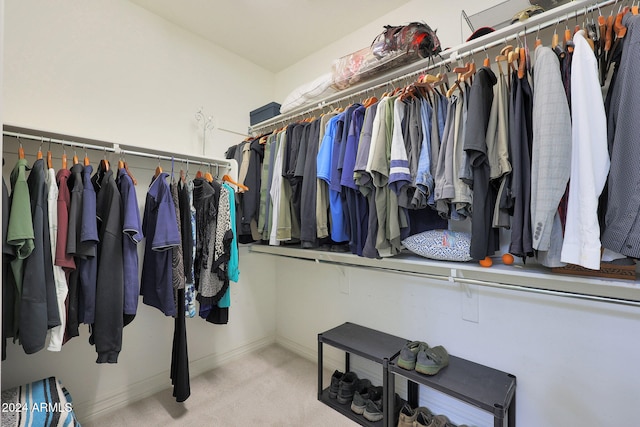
column 89, row 410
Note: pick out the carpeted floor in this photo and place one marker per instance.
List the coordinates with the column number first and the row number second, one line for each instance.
column 270, row 387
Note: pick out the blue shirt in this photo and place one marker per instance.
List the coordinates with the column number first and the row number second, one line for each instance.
column 424, row 179
column 351, row 149
column 327, row 171
column 88, row 267
column 160, row 226
column 132, row 229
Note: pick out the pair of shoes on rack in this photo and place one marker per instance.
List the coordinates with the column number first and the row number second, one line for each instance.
column 422, row 417
column 424, row 359
column 408, row 416
column 374, row 411
column 365, row 392
column 368, row 402
column 344, row 386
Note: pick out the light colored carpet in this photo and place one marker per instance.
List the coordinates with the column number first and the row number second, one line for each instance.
column 270, row 387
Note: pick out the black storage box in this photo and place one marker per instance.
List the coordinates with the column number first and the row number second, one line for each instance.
column 263, row 113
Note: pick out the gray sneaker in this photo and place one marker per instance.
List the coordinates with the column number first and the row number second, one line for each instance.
column 409, row 353
column 361, row 396
column 431, row 360
column 373, row 408
column 335, row 384
column 442, row 421
column 347, row 387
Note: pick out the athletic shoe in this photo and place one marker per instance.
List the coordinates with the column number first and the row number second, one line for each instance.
column 408, row 415
column 442, row 421
column 423, row 419
column 409, row 353
column 347, row 387
column 431, row 360
column 373, row 408
column 361, row 396
column 335, row 384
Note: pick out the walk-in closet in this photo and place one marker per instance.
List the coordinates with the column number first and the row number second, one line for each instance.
column 379, row 213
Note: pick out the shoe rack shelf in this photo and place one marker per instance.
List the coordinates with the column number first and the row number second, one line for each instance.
column 478, row 385
column 364, row 342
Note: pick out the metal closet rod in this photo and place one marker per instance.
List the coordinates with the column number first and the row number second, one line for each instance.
column 532, row 25
column 462, row 280
column 94, row 144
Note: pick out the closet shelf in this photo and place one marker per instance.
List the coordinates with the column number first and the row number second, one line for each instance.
column 449, row 55
column 529, row 278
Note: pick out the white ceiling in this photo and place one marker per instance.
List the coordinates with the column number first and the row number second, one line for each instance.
column 273, row 34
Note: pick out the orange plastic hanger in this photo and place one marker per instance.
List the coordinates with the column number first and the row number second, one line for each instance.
column 634, row 9
column 199, row 174
column 39, row 154
column 64, row 160
column 227, row 178
column 21, row 152
column 75, row 158
column 522, row 64
column 208, row 177
column 133, row 178
column 49, row 160
column 158, row 170
column 86, row 159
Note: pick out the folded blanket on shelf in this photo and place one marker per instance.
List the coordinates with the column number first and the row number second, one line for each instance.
column 42, row 403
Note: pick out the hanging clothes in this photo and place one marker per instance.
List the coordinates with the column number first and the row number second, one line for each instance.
column 622, row 222
column 38, row 309
column 88, row 265
column 589, row 160
column 132, row 235
column 159, row 225
column 62, row 258
column 75, row 248
column 484, row 238
column 551, row 156
column 179, row 353
column 106, row 332
column 520, row 137
column 363, row 181
column 57, row 333
column 308, row 173
column 188, row 230
column 8, row 287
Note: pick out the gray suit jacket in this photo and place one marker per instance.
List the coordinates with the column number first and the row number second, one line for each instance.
column 551, row 148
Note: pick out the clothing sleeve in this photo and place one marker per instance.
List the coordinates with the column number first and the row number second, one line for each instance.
column 20, row 228
column 166, row 235
column 131, row 221
column 399, row 173
column 324, row 154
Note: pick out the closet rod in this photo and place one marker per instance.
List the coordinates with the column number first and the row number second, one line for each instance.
column 167, row 156
column 94, row 144
column 513, row 32
column 47, row 139
column 461, row 280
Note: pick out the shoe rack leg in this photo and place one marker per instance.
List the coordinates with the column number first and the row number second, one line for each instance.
column 320, row 372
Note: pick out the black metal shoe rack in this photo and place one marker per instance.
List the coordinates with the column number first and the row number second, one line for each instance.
column 483, row 387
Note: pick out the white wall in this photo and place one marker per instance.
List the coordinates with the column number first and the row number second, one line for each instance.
column 575, row 361
column 110, row 70
column 443, row 16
